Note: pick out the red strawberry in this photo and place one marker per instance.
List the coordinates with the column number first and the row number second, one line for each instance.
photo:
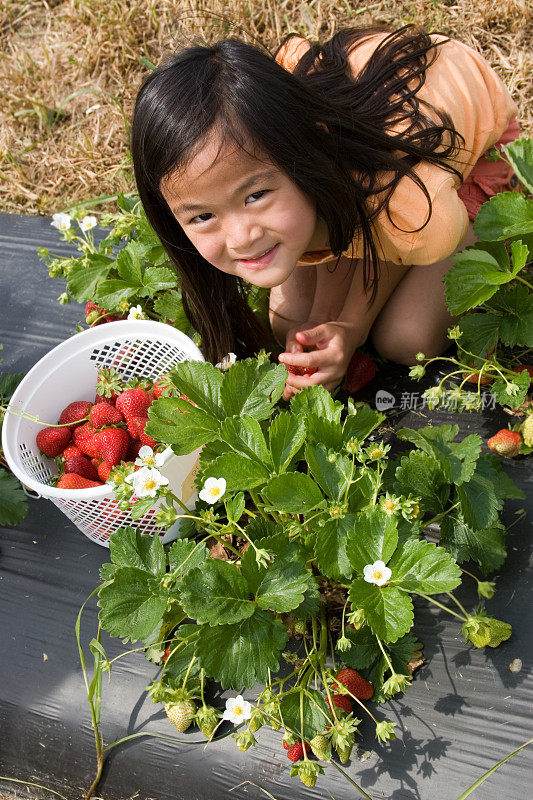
column 166, row 653
column 73, row 481
column 104, row 414
column 361, row 370
column 83, row 437
column 301, row 370
column 355, row 683
column 109, row 383
column 522, row 367
column 162, row 387
column 340, row 701
column 112, row 445
column 133, row 450
column 295, row 751
column 134, row 403
column 75, row 413
column 52, row 441
column 505, row 442
column 99, row 398
column 103, row 471
column 94, row 315
column 76, row 461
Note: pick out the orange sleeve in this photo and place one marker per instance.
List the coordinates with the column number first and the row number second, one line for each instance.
column 291, row 52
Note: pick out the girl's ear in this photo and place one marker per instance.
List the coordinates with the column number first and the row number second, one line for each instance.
column 323, row 125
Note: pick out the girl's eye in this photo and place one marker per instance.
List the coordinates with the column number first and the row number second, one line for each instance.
column 198, row 217
column 260, row 193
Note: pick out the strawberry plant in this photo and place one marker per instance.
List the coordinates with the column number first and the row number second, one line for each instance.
column 491, row 285
column 13, row 503
column 307, row 545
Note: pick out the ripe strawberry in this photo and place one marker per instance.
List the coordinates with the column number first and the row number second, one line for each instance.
column 361, row 370
column 73, row 460
column 505, row 442
column 340, row 701
column 527, row 430
column 134, row 403
column 301, row 370
column 522, row 367
column 112, row 445
column 166, row 653
column 73, row 481
column 104, row 414
column 94, row 315
column 133, row 450
column 162, row 387
column 83, row 437
column 355, row 683
column 99, row 398
column 52, row 441
column 296, row 751
column 75, row 413
column 473, row 377
column 103, row 471
column 181, row 714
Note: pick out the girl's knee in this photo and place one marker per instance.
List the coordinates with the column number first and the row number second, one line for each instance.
column 401, row 344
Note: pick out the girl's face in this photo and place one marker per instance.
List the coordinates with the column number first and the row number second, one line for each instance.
column 243, row 215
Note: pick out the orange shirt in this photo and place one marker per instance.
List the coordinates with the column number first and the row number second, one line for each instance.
column 462, row 83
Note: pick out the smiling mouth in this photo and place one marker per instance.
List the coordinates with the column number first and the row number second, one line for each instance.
column 256, row 258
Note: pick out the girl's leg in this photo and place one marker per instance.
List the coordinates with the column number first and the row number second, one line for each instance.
column 415, row 318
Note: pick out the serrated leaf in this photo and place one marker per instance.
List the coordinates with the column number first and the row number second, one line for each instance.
column 128, row 263
column 176, row 422
column 321, row 430
column 130, row 548
column 479, row 497
column 83, row 280
column 240, row 654
column 311, row 602
column 110, row 293
column 480, row 332
column 332, row 477
column 8, row 383
column 283, row 585
column 287, row 434
column 132, row 605
column 364, row 650
column 361, row 424
column 420, row 473
column 373, row 538
column 244, row 435
column 13, row 502
column 514, row 305
column 504, row 486
column 474, row 278
column 388, row 611
column 307, row 708
column 316, row 400
column 140, row 507
column 456, row 459
column 486, row 546
column 185, row 555
column 514, row 400
column 402, row 651
column 252, row 388
column 156, row 279
column 169, row 306
column 361, row 492
column 240, row 472
column 500, row 212
column 182, row 649
column 520, row 154
column 235, row 507
column 200, row 382
column 330, row 543
column 293, row 492
column 216, row 593
column 423, row 567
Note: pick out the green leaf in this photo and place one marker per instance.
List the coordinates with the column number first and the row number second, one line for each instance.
column 421, row 474
column 332, row 477
column 156, row 279
column 361, row 493
column 501, row 395
column 485, row 546
column 514, row 305
column 480, row 332
column 140, row 507
column 200, row 382
column 388, row 611
column 13, row 502
column 8, row 384
column 474, row 278
column 299, row 706
column 235, row 507
column 520, row 154
column 240, row 654
column 423, row 567
column 128, row 262
column 503, row 211
column 175, row 422
column 168, row 306
column 182, row 649
column 457, row 460
column 361, row 424
column 293, row 492
column 364, row 650
column 321, row 430
column 244, row 435
column 185, row 555
column 283, row 585
column 130, row 548
column 373, row 538
column 287, row 434
column 83, row 280
column 311, row 602
column 132, row 605
column 216, row 593
column 240, row 472
column 479, row 497
column 330, row 546
column 504, row 486
column 402, row 651
column 252, row 388
column 318, row 401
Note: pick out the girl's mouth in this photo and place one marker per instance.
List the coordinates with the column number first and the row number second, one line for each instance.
column 262, row 261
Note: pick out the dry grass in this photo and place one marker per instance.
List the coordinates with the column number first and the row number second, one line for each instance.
column 70, row 69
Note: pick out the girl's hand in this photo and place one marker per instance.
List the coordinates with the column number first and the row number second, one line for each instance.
column 333, row 345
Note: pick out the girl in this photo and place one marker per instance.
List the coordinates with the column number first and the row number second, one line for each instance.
column 334, row 175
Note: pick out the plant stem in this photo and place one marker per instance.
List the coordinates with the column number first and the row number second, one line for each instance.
column 387, row 659
column 440, row 516
column 523, row 280
column 255, row 498
column 457, row 603
column 342, row 772
column 436, row 603
column 491, row 770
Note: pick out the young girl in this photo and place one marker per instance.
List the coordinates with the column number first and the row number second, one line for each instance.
column 340, row 176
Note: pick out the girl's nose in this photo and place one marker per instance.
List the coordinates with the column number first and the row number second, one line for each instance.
column 241, row 235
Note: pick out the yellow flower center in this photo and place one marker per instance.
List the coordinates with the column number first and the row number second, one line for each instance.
column 377, row 575
column 150, row 484
column 149, row 461
column 237, row 710
column 389, row 505
column 214, row 492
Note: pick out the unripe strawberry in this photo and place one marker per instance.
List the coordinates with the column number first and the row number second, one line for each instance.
column 181, row 714
column 506, row 443
column 527, row 430
column 207, row 719
column 355, row 683
column 321, row 747
column 308, row 774
column 344, row 753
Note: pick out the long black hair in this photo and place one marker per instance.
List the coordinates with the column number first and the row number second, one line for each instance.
column 330, row 132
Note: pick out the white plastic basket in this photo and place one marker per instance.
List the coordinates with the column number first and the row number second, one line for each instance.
column 135, row 348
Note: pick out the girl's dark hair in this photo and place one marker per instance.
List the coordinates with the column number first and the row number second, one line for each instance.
column 245, row 95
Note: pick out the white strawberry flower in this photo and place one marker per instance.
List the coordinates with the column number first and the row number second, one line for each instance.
column 237, row 710
column 136, row 312
column 147, row 458
column 146, row 481
column 87, row 223
column 227, row 362
column 377, row 573
column 212, row 490
column 61, row 221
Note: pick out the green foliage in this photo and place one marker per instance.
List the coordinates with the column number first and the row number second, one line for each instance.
column 13, row 501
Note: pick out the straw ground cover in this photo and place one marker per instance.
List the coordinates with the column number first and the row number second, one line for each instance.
column 70, row 69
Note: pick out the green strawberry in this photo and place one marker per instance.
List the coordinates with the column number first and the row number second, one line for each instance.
column 345, row 751
column 527, row 430
column 180, row 709
column 207, row 719
column 321, row 747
